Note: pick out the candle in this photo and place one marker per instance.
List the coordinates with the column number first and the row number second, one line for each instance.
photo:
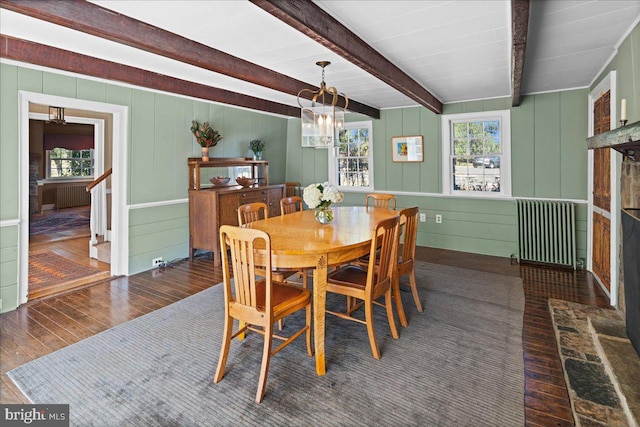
column 623, row 109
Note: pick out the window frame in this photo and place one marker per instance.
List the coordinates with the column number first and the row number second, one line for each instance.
column 334, row 158
column 48, row 176
column 504, row 117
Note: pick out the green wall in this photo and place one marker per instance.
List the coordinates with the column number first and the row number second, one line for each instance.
column 549, row 160
column 159, row 142
column 627, row 65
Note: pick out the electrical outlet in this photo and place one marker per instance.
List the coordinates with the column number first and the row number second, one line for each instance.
column 423, row 217
column 438, row 219
column 157, row 262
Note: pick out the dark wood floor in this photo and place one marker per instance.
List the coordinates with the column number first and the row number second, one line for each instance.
column 43, row 326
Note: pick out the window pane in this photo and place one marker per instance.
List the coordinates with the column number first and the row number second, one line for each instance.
column 492, row 147
column 70, row 163
column 475, row 129
column 460, row 147
column 476, row 147
column 459, row 130
column 352, row 164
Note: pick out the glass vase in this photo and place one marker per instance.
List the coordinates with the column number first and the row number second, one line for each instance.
column 324, row 214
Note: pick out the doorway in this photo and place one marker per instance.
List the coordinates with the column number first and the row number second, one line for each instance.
column 119, row 219
column 63, row 159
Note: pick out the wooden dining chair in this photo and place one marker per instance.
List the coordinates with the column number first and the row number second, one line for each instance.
column 406, row 261
column 252, row 212
column 367, row 286
column 256, row 304
column 379, row 200
column 292, row 189
column 290, row 204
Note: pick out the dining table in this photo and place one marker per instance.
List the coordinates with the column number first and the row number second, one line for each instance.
column 300, row 242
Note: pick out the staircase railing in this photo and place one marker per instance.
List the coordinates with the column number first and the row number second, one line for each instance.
column 98, row 221
column 99, row 179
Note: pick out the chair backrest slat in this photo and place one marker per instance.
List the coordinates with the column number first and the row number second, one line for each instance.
column 251, row 212
column 384, row 251
column 409, row 217
column 292, row 189
column 380, row 200
column 242, row 245
column 290, row 204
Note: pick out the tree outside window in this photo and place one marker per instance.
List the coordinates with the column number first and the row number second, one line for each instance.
column 476, row 149
column 353, row 161
column 64, row 163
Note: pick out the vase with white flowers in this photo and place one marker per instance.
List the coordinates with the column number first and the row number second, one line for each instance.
column 320, row 196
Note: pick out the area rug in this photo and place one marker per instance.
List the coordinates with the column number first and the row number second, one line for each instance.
column 57, row 222
column 47, row 268
column 458, row 363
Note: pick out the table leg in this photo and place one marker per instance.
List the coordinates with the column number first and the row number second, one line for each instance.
column 319, row 307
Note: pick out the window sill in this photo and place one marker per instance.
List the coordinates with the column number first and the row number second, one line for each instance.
column 64, row 180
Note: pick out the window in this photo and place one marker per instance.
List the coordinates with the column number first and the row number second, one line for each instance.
column 351, row 165
column 64, row 163
column 476, row 154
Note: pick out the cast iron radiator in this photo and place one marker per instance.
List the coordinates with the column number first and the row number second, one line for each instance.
column 547, row 232
column 72, row 196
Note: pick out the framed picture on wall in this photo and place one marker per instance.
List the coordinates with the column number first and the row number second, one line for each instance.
column 407, row 148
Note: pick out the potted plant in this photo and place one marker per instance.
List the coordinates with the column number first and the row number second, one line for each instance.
column 256, row 146
column 205, row 136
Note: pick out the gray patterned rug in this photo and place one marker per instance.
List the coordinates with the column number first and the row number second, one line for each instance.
column 458, row 363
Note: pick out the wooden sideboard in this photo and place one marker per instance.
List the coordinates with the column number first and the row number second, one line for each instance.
column 210, row 208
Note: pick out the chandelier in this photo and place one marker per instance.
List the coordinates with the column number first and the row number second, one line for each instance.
column 323, row 119
column 56, row 115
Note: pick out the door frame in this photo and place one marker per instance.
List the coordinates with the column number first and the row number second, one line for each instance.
column 99, row 194
column 608, row 83
column 120, row 217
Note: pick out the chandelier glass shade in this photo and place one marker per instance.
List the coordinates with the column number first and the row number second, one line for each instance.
column 322, row 119
column 56, row 115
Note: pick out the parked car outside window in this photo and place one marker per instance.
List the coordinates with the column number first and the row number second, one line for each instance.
column 487, row 162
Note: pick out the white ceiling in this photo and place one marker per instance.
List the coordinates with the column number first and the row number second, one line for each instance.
column 458, row 50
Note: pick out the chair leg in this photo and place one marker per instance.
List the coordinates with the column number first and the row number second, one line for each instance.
column 414, row 290
column 241, row 325
column 266, row 357
column 398, row 298
column 280, row 324
column 388, row 302
column 305, row 278
column 224, row 351
column 309, row 347
column 368, row 315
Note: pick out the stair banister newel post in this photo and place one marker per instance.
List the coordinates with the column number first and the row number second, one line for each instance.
column 98, row 219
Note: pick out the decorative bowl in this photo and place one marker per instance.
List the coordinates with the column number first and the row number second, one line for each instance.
column 219, row 180
column 245, row 182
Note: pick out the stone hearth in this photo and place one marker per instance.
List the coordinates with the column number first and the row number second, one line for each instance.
column 600, row 365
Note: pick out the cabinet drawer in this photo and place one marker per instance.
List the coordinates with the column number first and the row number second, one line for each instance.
column 253, row 196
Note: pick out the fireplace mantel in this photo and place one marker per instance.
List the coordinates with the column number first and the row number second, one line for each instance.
column 625, row 139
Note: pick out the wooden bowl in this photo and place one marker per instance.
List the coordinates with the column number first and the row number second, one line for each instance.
column 245, row 182
column 219, row 180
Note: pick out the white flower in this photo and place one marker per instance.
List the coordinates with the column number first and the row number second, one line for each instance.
column 312, row 196
column 321, row 194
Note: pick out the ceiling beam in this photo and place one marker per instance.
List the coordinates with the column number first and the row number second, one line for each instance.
column 311, row 20
column 101, row 22
column 47, row 56
column 519, row 30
